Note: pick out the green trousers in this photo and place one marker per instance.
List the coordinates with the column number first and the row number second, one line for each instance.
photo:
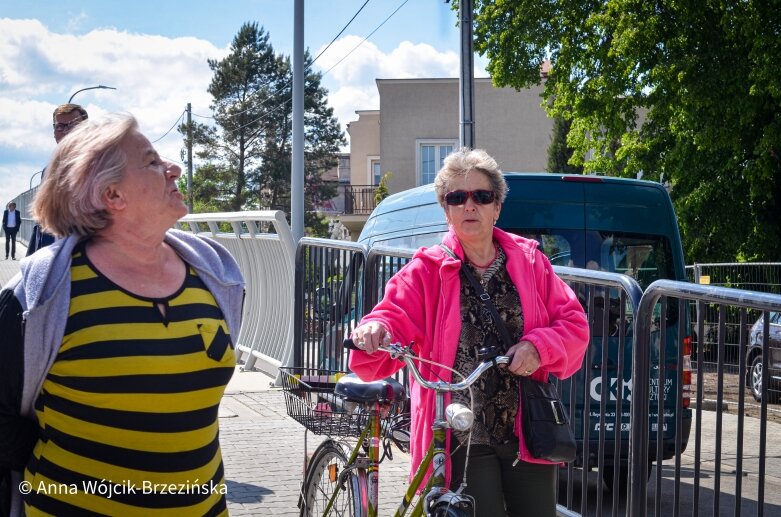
column 499, row 488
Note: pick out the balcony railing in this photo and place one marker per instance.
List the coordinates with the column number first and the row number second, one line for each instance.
column 359, row 199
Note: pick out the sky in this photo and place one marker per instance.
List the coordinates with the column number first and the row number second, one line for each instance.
column 154, row 53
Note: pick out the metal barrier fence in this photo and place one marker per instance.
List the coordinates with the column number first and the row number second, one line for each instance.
column 610, row 300
column 762, row 277
column 329, row 279
column 751, row 276
column 267, row 263
column 726, row 445
column 383, row 262
column 635, row 429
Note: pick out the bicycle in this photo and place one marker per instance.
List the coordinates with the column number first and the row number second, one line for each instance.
column 342, row 479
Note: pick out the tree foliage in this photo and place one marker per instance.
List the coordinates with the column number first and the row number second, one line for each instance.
column 687, row 90
column 245, row 157
column 382, row 189
column 559, row 153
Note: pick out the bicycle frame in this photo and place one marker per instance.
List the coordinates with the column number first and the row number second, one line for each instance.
column 371, row 432
column 436, row 453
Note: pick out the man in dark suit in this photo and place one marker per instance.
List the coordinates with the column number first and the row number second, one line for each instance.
column 12, row 221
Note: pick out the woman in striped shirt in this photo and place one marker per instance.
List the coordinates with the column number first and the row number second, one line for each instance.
column 124, row 335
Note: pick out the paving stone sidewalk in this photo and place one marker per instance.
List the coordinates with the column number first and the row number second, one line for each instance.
column 263, row 452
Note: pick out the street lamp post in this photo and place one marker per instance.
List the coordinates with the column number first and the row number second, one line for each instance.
column 33, row 176
column 98, row 87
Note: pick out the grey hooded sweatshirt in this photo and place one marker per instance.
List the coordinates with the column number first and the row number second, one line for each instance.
column 42, row 289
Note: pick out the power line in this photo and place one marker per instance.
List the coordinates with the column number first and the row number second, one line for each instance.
column 287, row 84
column 169, row 129
column 341, row 31
column 367, row 37
column 282, row 104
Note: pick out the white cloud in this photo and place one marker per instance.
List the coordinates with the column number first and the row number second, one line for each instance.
column 76, row 21
column 351, row 82
column 348, row 99
column 154, row 76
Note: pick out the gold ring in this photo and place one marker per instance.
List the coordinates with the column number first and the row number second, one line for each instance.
column 528, row 372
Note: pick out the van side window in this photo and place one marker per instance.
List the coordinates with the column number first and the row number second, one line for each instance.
column 413, row 242
column 396, row 242
column 427, row 239
column 645, row 258
column 555, row 246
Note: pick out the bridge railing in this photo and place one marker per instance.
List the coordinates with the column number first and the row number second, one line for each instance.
column 267, row 263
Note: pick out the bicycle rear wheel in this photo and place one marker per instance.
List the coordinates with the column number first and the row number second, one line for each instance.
column 321, row 481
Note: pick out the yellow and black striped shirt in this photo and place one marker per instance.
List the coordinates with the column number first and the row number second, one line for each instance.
column 128, row 411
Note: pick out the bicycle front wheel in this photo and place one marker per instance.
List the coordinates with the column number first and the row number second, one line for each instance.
column 322, row 481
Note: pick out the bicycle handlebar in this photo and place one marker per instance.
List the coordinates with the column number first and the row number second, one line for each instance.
column 399, row 351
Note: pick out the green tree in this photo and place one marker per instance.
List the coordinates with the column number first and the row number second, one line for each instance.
column 382, row 189
column 246, row 155
column 684, row 89
column 559, row 153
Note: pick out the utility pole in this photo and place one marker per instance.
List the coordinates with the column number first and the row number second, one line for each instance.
column 467, row 77
column 190, row 157
column 297, row 160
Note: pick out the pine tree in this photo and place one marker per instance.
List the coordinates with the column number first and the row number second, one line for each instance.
column 246, row 155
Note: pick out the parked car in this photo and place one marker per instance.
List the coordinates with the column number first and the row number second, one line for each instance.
column 756, row 368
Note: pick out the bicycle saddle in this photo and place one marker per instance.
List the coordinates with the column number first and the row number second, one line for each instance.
column 354, row 389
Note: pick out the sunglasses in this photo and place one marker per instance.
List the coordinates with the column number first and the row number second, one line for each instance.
column 66, row 127
column 480, row 197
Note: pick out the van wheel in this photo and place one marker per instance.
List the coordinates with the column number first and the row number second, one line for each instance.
column 623, row 480
column 755, row 382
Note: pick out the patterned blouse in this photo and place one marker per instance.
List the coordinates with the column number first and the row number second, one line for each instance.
column 495, row 394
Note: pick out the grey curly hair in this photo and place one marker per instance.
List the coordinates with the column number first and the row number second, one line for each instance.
column 464, row 160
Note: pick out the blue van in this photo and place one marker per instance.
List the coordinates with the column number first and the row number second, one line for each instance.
column 612, row 224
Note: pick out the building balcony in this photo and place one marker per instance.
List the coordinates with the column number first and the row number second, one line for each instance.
column 359, row 199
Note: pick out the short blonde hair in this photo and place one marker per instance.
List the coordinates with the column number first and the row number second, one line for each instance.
column 84, row 165
column 460, row 162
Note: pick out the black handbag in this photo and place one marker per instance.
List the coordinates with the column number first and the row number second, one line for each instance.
column 545, row 422
column 544, row 419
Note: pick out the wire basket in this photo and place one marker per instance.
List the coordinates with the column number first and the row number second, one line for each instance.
column 310, row 400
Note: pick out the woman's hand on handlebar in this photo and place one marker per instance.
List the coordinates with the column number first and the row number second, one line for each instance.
column 369, row 336
column 525, row 359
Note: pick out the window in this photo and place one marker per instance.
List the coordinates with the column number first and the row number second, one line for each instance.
column 643, row 257
column 431, row 156
column 376, row 172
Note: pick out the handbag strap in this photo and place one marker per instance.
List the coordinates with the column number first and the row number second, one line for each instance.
column 485, row 298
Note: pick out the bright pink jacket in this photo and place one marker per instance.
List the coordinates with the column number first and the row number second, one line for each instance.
column 422, row 306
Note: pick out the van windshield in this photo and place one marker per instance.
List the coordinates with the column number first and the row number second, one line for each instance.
column 645, row 258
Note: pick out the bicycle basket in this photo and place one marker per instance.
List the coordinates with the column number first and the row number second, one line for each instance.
column 310, row 400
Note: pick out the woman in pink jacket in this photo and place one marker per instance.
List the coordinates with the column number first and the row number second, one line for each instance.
column 431, row 304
